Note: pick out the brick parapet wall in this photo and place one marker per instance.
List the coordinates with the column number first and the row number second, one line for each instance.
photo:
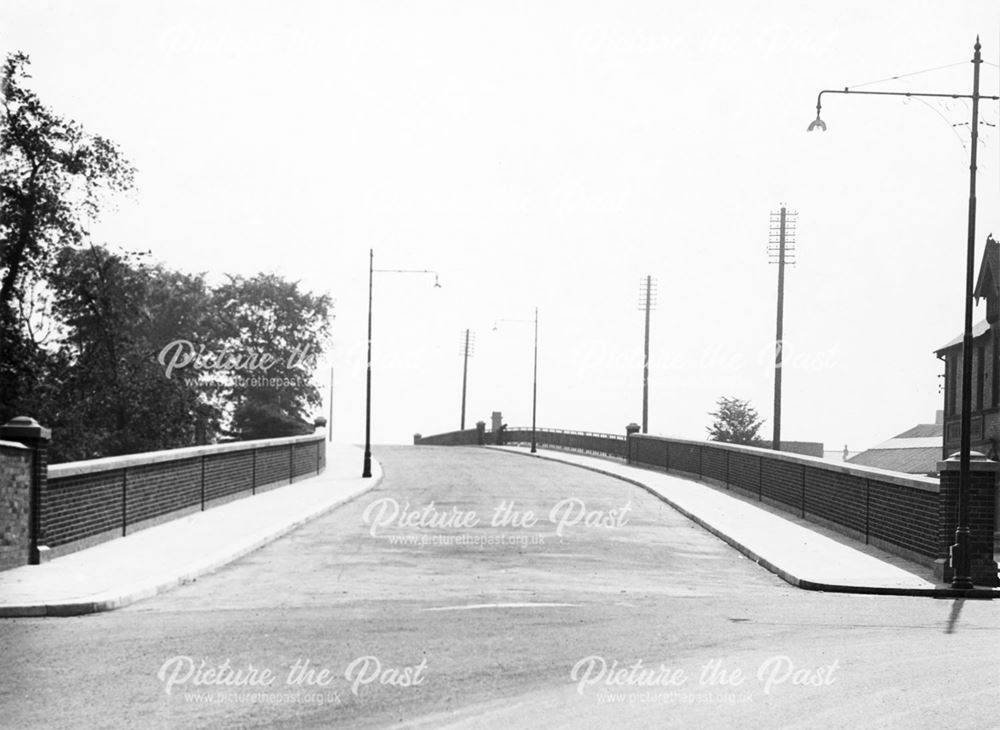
column 87, row 502
column 468, row 437
column 895, row 512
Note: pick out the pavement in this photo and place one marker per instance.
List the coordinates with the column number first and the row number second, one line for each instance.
column 800, row 552
column 119, row 572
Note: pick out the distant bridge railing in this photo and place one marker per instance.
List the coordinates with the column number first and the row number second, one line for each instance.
column 910, row 516
column 585, row 441
column 591, row 442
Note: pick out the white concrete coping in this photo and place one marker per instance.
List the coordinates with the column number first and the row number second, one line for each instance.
column 13, row 445
column 925, row 484
column 126, row 461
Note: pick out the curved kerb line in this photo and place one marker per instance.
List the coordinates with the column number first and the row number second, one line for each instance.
column 474, row 606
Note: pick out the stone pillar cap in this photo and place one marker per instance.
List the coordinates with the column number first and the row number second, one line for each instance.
column 977, row 462
column 24, row 427
column 973, row 456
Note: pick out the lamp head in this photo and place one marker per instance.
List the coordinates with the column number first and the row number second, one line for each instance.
column 437, row 284
column 817, row 123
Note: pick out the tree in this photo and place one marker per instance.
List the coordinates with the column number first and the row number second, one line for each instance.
column 86, row 333
column 273, row 333
column 151, row 358
column 53, row 179
column 736, row 422
column 117, row 313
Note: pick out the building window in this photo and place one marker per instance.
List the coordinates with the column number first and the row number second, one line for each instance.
column 948, row 367
column 994, row 372
column 956, row 366
column 980, row 363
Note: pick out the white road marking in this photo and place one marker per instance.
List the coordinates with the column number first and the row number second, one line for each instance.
column 473, row 606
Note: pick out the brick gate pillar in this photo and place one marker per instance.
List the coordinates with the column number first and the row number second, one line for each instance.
column 982, row 517
column 27, row 431
column 630, row 429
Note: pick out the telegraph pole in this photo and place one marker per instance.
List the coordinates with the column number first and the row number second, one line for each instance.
column 781, row 250
column 469, row 344
column 647, row 296
column 534, row 390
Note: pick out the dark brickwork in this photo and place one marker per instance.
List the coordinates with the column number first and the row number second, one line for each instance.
column 781, row 482
column 839, row 498
column 228, row 474
column 303, row 459
column 273, row 465
column 468, row 437
column 80, row 506
column 649, row 451
column 95, row 505
column 714, row 464
column 904, row 517
column 684, row 457
column 982, row 511
column 153, row 490
column 15, row 505
column 744, row 472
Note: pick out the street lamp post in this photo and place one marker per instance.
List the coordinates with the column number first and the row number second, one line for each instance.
column 366, row 470
column 961, row 565
column 534, row 380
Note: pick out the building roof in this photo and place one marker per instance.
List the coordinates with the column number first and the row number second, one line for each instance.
column 989, row 270
column 923, row 430
column 908, row 460
column 978, row 329
column 986, row 286
column 915, row 451
column 911, row 443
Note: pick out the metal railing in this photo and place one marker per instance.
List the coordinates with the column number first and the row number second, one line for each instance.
column 588, row 442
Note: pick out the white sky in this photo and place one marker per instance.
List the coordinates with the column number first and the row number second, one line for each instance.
column 552, row 154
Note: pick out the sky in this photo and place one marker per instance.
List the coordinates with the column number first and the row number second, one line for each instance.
column 551, row 155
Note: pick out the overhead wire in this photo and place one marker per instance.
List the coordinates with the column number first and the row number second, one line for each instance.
column 907, row 75
column 930, row 106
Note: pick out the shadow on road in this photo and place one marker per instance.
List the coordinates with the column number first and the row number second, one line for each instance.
column 956, row 609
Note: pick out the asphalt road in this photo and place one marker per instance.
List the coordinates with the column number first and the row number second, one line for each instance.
column 602, row 608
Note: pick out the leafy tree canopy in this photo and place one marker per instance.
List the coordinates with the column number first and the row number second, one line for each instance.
column 285, row 328
column 735, row 421
column 53, row 179
column 86, row 332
